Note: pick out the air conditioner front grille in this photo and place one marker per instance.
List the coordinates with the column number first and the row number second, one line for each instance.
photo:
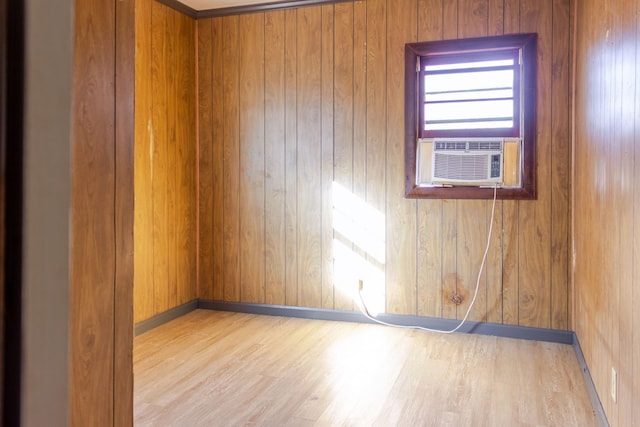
column 462, row 168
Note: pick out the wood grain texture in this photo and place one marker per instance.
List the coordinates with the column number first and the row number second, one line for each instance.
column 143, row 180
column 291, row 163
column 560, row 166
column 327, row 135
column 252, row 167
column 309, row 156
column 217, row 150
column 165, row 161
column 93, row 258
column 604, row 197
column 400, row 212
column 337, row 122
column 360, row 131
column 375, row 149
column 187, row 173
column 275, row 243
column 334, row 373
column 343, row 138
column 160, row 152
column 206, row 252
column 231, row 159
column 124, row 213
column 169, row 152
column 376, row 104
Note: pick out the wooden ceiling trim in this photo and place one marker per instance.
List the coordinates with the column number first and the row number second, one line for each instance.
column 240, row 10
column 180, row 7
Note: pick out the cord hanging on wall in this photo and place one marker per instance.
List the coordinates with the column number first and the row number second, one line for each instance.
column 365, row 311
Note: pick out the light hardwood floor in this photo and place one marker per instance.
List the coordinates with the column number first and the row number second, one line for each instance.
column 211, row 368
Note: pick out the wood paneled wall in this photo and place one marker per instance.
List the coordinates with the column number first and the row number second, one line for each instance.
column 606, row 196
column 293, row 101
column 165, row 159
column 101, row 296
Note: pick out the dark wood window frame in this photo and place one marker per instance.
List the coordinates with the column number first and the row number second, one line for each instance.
column 524, row 112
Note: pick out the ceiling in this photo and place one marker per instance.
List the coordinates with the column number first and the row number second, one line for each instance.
column 199, row 5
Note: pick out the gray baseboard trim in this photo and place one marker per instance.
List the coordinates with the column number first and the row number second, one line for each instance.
column 598, row 410
column 482, row 328
column 165, row 317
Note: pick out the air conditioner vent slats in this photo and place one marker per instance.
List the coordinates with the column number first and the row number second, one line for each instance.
column 468, row 145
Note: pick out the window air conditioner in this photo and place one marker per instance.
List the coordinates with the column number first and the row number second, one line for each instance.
column 467, row 161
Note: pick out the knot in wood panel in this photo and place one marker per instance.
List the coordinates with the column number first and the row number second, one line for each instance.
column 456, row 298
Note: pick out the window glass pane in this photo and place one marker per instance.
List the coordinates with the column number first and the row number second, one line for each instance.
column 467, row 125
column 463, row 81
column 470, row 110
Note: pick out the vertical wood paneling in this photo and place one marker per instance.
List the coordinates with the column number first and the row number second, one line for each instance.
column 274, row 158
column 206, row 167
column 252, row 167
column 450, row 19
column 124, row 213
column 231, row 158
column 560, row 166
column 143, row 217
column 495, row 26
column 186, row 209
column 291, row 163
column 606, row 96
column 171, row 73
column 360, row 109
column 309, row 155
column 333, row 108
column 159, row 167
column 343, row 124
column 359, row 98
column 327, row 120
column 375, row 168
column 627, row 90
column 102, row 221
column 166, row 161
column 92, row 252
column 376, row 104
column 218, row 153
column 400, row 212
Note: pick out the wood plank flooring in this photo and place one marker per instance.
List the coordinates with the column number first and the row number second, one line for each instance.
column 211, row 368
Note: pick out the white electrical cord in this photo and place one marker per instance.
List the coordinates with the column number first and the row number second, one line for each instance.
column 365, row 311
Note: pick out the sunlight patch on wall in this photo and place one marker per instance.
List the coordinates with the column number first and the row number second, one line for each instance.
column 359, row 248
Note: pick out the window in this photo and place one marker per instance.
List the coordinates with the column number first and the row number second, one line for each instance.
column 463, row 97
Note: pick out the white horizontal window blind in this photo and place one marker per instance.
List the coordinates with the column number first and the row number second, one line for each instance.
column 462, row 94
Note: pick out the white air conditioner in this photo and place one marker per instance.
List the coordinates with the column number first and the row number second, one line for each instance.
column 467, row 161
